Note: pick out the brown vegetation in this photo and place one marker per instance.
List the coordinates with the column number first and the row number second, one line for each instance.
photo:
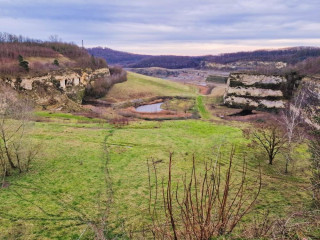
column 119, row 121
column 11, row 47
column 101, row 86
column 309, row 66
column 162, row 115
column 203, row 206
column 16, row 151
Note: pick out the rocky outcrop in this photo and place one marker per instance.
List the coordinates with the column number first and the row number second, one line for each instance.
column 58, row 88
column 311, row 109
column 243, row 65
column 257, row 91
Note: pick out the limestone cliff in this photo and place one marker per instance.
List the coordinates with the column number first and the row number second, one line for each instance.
column 311, row 108
column 257, row 91
column 58, row 89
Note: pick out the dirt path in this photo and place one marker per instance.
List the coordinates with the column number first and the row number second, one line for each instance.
column 213, row 89
column 218, row 90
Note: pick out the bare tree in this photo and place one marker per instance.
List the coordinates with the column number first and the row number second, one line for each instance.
column 16, row 151
column 268, row 136
column 205, row 205
column 291, row 119
column 55, row 38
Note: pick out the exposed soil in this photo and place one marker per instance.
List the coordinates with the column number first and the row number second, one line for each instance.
column 218, row 89
column 204, row 89
column 96, row 102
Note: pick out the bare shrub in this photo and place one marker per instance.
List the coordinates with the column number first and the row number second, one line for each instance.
column 115, row 70
column 118, row 74
column 119, row 122
column 299, row 225
column 309, row 66
column 16, row 151
column 204, row 206
column 260, row 227
column 101, row 86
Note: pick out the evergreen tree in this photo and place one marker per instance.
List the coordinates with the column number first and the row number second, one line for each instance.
column 22, row 63
column 56, row 62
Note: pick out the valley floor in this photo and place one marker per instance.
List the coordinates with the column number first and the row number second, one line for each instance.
column 65, row 188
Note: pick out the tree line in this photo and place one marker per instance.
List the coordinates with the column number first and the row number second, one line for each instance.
column 290, row 56
column 13, row 47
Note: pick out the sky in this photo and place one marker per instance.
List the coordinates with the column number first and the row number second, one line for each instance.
column 180, row 27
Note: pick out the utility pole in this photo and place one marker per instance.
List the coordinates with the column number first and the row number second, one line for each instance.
column 82, row 43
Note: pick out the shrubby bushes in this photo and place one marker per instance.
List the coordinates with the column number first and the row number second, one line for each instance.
column 101, row 86
column 16, row 150
column 310, row 66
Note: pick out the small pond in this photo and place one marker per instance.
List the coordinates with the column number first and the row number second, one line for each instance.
column 150, row 108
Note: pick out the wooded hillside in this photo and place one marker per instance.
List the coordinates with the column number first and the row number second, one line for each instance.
column 21, row 55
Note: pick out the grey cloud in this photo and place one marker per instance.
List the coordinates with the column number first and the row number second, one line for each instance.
column 101, row 22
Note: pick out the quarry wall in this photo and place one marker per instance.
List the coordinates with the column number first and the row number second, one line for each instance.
column 58, row 88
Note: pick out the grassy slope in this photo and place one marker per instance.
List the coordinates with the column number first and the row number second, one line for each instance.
column 71, row 167
column 202, row 108
column 62, row 60
column 140, row 86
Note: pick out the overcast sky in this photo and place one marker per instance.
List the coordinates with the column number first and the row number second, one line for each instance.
column 182, row 27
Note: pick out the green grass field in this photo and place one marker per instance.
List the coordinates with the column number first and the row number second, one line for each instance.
column 140, row 86
column 71, row 168
column 66, row 183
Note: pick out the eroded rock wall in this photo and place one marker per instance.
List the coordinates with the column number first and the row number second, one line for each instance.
column 311, row 108
column 58, row 88
column 254, row 91
column 257, row 91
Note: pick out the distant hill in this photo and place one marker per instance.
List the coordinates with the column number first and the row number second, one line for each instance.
column 171, row 62
column 117, row 57
column 126, row 59
column 288, row 55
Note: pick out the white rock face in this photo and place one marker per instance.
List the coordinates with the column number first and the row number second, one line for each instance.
column 253, row 91
column 26, row 84
column 241, row 101
column 249, row 80
column 272, row 104
column 65, row 79
column 71, row 79
column 247, row 102
column 312, row 83
column 58, row 86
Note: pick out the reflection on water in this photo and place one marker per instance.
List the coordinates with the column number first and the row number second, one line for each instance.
column 150, row 108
